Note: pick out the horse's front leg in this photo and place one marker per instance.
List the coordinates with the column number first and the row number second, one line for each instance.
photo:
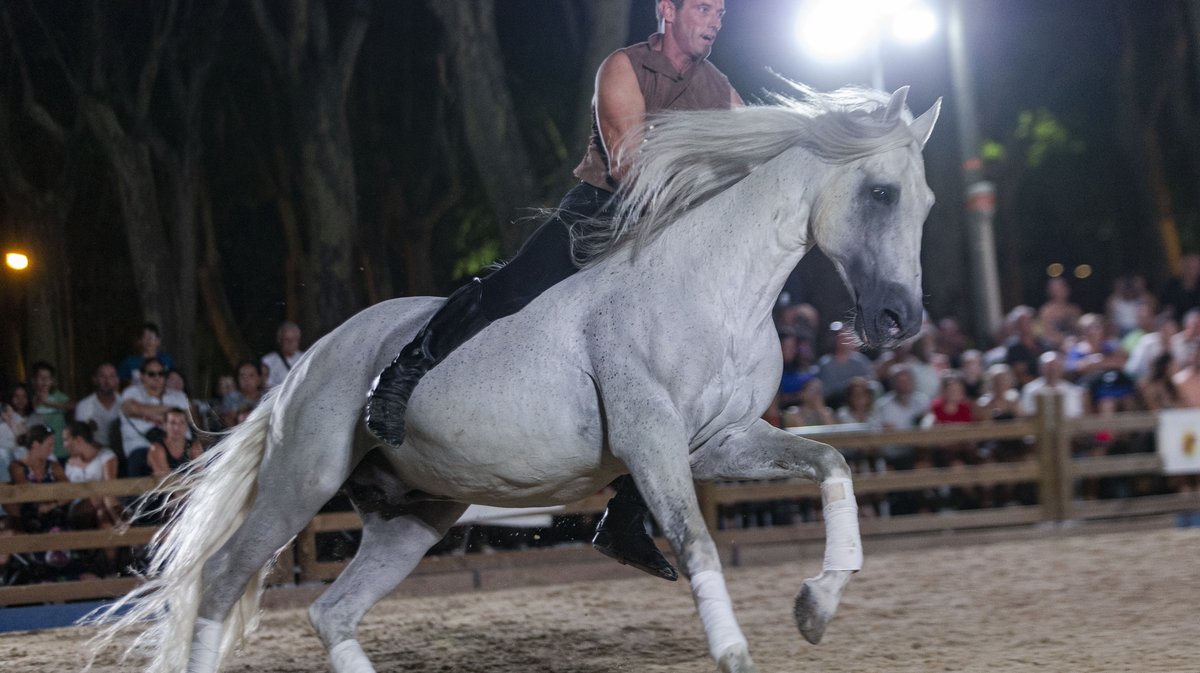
column 653, row 445
column 765, row 452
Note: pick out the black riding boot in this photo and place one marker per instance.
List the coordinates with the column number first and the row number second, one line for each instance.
column 459, row 319
column 621, row 533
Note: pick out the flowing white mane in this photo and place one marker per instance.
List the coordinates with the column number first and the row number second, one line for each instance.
column 686, row 158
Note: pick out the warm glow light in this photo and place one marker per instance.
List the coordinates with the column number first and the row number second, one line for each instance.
column 1083, row 271
column 1054, row 270
column 16, row 260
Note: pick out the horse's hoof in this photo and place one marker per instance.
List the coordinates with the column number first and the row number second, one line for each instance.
column 817, row 603
column 736, row 660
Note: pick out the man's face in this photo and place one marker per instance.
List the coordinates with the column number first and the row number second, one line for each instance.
column 154, row 379
column 149, row 341
column 694, row 25
column 106, row 379
column 44, row 381
column 289, row 341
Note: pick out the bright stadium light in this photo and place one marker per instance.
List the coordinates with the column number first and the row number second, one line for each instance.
column 830, row 30
column 914, row 24
column 841, row 30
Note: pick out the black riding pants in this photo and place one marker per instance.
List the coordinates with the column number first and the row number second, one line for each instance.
column 544, row 259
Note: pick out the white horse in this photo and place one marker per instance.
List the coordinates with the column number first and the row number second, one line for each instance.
column 657, row 360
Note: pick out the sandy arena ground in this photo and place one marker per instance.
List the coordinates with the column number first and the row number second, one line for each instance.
column 1115, row 602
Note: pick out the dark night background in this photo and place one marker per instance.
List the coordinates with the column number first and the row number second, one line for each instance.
column 1106, row 160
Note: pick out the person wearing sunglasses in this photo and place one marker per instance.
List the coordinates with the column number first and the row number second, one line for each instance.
column 144, row 408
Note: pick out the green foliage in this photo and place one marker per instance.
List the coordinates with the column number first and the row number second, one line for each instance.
column 1038, row 135
column 476, row 242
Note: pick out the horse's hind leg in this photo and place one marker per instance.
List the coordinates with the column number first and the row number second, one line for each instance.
column 390, row 549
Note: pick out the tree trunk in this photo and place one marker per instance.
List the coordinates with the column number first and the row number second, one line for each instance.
column 329, row 199
column 1150, row 195
column 489, row 118
column 317, row 70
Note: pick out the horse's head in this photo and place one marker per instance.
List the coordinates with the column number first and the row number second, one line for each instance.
column 868, row 220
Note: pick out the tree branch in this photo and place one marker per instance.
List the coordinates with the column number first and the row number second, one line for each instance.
column 164, row 25
column 273, row 42
column 40, row 115
column 352, row 43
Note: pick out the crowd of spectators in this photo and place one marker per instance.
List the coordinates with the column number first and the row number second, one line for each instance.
column 1140, row 351
column 137, row 421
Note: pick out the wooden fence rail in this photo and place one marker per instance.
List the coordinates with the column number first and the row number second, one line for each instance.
column 1052, row 468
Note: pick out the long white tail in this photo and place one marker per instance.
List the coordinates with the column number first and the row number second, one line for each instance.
column 219, row 490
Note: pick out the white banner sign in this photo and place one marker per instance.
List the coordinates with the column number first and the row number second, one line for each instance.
column 1179, row 441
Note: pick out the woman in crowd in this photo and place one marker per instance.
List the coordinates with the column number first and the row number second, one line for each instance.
column 174, row 449
column 16, row 416
column 37, row 467
column 90, row 462
column 860, row 404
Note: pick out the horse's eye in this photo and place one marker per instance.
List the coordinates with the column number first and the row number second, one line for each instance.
column 885, row 195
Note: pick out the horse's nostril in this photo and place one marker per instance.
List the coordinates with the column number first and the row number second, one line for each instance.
column 891, row 323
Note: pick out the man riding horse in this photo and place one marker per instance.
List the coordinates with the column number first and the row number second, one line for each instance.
column 669, row 71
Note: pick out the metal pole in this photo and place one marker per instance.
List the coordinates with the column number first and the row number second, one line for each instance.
column 981, row 195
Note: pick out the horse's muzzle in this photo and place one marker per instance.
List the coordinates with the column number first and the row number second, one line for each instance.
column 888, row 315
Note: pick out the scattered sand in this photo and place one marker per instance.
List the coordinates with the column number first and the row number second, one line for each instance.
column 1116, row 602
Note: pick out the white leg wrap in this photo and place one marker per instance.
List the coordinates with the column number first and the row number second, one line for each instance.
column 843, row 543
column 716, row 612
column 348, row 657
column 206, row 646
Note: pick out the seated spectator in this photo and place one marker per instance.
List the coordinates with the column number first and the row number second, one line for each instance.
column 280, row 361
column 173, row 450
column 149, row 345
column 144, row 409
column 90, row 462
column 1156, row 389
column 102, row 409
column 842, row 364
column 952, row 405
column 811, row 409
column 15, row 420
column 51, row 404
column 1128, row 299
column 1023, row 346
column 1151, row 345
column 38, row 466
column 903, row 406
column 1187, row 340
column 971, row 371
column 1095, row 351
column 1058, row 316
column 247, row 395
column 1000, row 401
column 860, row 404
column 1051, row 381
column 950, row 341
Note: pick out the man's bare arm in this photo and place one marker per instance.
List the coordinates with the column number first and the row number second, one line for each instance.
column 620, row 110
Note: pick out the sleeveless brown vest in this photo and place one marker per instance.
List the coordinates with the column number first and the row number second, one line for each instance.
column 702, row 87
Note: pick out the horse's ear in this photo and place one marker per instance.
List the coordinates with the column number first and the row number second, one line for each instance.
column 896, row 105
column 922, row 127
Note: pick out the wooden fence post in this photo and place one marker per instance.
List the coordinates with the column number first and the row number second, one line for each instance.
column 306, row 554
column 1051, row 458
